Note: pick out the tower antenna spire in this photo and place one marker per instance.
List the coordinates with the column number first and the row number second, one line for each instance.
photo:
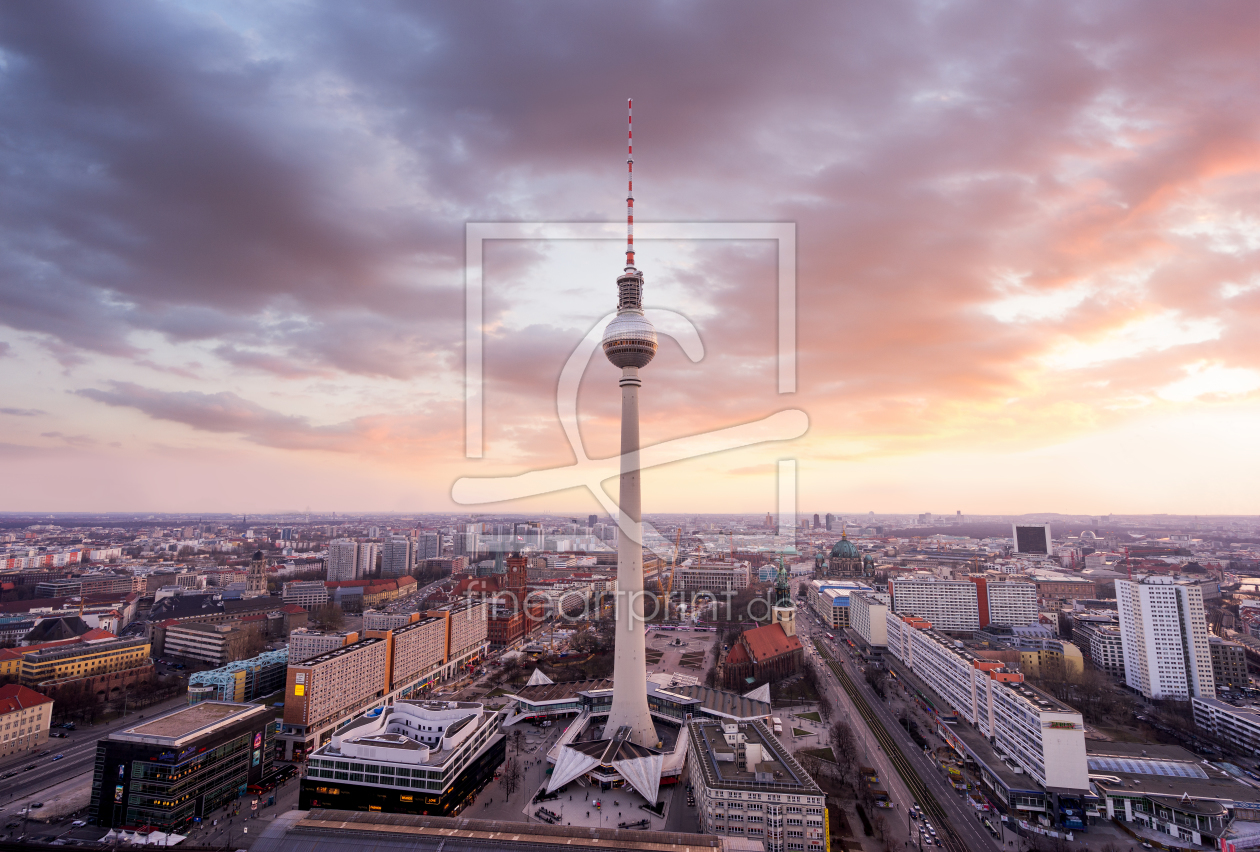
column 630, row 183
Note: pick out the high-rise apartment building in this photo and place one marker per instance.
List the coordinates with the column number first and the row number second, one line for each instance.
column 396, row 557
column 963, row 605
column 428, row 546
column 343, row 557
column 365, row 564
column 1164, row 634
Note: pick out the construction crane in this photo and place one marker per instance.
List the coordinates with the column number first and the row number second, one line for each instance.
column 673, row 569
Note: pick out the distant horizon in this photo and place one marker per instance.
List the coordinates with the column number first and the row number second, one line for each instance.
column 1001, row 255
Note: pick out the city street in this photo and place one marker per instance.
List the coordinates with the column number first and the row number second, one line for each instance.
column 80, row 756
column 961, row 815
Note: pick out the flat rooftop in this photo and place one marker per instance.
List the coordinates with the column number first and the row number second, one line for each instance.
column 331, row 831
column 188, row 722
column 722, row 768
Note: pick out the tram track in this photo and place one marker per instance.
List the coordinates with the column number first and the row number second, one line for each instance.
column 913, row 781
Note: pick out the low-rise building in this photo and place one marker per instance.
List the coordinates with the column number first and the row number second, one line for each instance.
column 213, row 644
column 97, row 663
column 243, row 680
column 166, row 772
column 308, row 594
column 412, row 757
column 1236, row 722
column 830, row 599
column 747, row 785
column 712, row 577
column 25, row 716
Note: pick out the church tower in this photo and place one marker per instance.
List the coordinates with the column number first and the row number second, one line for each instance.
column 256, row 579
column 784, row 612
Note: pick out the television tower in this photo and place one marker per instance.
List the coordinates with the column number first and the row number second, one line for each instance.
column 630, row 343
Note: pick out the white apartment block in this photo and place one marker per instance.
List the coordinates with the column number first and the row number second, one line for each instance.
column 868, row 615
column 343, row 557
column 375, row 619
column 965, row 605
column 1012, row 602
column 948, row 604
column 305, row 644
column 1164, row 634
column 365, row 564
column 418, row 648
column 721, row 577
column 1041, row 735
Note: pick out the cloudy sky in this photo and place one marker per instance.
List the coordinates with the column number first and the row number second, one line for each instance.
column 232, row 241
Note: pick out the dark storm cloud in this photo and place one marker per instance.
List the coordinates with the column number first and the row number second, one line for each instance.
column 292, row 189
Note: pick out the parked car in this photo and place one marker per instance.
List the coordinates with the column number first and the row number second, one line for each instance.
column 45, row 753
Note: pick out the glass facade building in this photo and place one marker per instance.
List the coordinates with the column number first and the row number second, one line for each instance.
column 168, row 772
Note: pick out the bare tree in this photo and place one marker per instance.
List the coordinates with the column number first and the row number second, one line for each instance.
column 824, row 705
column 511, row 776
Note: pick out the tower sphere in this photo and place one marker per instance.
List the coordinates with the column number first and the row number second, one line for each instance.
column 630, row 340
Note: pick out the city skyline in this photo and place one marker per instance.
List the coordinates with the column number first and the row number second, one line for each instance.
column 1026, row 259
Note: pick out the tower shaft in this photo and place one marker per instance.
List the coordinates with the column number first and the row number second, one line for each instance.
column 629, row 705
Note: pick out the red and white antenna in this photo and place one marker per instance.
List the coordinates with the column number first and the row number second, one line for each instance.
column 630, row 183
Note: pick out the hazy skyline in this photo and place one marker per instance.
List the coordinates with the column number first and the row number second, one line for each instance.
column 231, row 271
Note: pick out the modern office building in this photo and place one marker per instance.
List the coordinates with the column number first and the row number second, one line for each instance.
column 1097, row 634
column 241, row 681
column 343, row 560
column 310, row 595
column 1030, row 538
column 1229, row 664
column 164, row 773
column 412, row 757
column 396, row 557
column 211, row 644
column 712, row 577
column 747, row 785
column 25, row 716
column 1164, row 633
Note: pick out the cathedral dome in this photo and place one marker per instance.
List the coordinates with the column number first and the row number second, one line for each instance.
column 845, row 549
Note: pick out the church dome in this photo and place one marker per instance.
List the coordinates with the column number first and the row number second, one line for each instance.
column 845, row 549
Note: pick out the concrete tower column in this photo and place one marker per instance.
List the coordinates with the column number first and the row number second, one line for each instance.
column 630, row 705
